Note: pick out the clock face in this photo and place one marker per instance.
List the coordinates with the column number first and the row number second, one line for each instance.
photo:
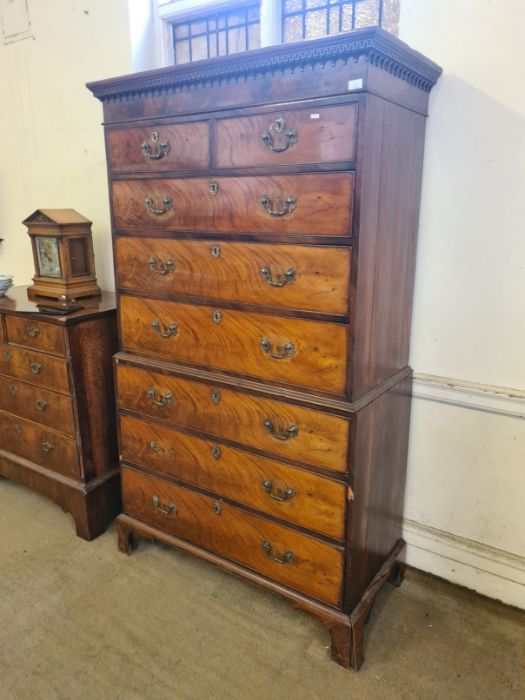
column 48, row 258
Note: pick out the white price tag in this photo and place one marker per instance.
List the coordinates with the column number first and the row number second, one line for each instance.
column 356, row 84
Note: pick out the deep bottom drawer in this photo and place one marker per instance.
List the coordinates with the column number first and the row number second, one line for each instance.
column 39, row 445
column 296, row 560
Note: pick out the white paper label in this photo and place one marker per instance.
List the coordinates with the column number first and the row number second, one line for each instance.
column 314, row 116
column 356, row 84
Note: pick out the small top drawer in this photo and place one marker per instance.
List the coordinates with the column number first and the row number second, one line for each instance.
column 317, row 135
column 157, row 148
column 36, row 334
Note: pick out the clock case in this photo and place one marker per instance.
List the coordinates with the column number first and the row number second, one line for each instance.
column 76, row 277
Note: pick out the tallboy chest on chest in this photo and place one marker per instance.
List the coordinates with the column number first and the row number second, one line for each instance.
column 265, row 211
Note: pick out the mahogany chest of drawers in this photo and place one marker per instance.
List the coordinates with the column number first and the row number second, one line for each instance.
column 57, row 425
column 265, row 213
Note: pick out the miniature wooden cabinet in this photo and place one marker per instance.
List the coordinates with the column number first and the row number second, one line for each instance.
column 57, row 425
column 265, row 215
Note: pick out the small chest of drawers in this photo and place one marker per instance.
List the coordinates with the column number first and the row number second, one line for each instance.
column 265, row 211
column 57, row 431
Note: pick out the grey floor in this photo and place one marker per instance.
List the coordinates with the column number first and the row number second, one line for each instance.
column 81, row 621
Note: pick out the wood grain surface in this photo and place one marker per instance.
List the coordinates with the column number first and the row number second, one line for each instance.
column 323, row 204
column 232, row 271
column 316, row 503
column 313, row 567
column 35, row 367
column 321, row 439
column 37, row 404
column 322, row 134
column 188, row 147
column 233, row 341
column 39, row 445
column 35, row 334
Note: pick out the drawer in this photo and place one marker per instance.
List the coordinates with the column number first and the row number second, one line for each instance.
column 272, row 487
column 308, row 353
column 37, row 404
column 39, row 445
column 36, row 334
column 34, row 367
column 296, row 560
column 312, row 278
column 276, row 427
column 159, row 148
column 295, row 204
column 317, row 135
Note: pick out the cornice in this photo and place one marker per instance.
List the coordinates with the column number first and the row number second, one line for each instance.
column 373, row 46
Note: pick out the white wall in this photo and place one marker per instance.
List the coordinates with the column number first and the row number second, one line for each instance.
column 51, row 141
column 464, row 508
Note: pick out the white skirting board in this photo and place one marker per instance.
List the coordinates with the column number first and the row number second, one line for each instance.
column 489, row 571
column 486, row 569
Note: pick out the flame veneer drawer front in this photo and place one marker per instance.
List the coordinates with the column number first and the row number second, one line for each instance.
column 35, row 334
column 312, row 278
column 272, row 487
column 279, row 428
column 308, row 353
column 159, row 147
column 299, row 561
column 34, row 367
column 288, row 137
column 38, row 405
column 318, row 204
column 39, row 445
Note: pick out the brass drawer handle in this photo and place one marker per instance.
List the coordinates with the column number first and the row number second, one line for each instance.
column 158, row 150
column 161, row 268
column 160, row 399
column 290, row 432
column 276, row 138
column 155, row 446
column 32, row 331
column 18, row 429
column 216, row 451
column 41, row 404
column 216, row 507
column 286, row 558
column 166, row 205
column 46, row 447
column 282, row 350
column 8, row 355
column 36, row 367
column 12, row 389
column 171, row 508
column 281, row 280
column 288, row 207
column 278, row 494
column 169, row 331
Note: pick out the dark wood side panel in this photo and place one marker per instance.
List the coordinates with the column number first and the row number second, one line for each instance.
column 389, row 186
column 95, row 342
column 379, row 475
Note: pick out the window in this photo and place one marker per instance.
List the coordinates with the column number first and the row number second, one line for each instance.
column 199, row 29
column 217, row 33
column 310, row 19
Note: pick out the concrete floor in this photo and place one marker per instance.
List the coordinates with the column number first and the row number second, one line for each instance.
column 80, row 621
